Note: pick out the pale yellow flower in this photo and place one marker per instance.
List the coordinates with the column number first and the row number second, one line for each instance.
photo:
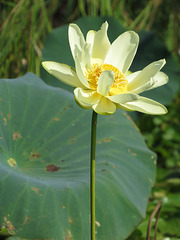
column 101, row 77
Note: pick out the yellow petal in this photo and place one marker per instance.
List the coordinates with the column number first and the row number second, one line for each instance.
column 86, row 98
column 105, row 81
column 123, row 50
column 101, row 44
column 63, row 72
column 123, row 98
column 130, row 77
column 90, row 37
column 145, row 105
column 104, row 107
column 80, row 73
column 145, row 87
column 146, row 74
column 160, row 79
column 85, row 57
column 76, row 39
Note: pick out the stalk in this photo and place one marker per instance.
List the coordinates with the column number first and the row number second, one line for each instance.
column 92, row 173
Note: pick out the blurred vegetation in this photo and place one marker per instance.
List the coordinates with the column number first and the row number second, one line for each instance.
column 24, row 24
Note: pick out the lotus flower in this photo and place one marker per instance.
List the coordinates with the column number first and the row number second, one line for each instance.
column 101, row 76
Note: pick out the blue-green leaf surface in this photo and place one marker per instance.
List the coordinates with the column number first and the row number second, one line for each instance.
column 44, row 166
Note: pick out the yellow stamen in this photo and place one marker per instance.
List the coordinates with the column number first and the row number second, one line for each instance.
column 120, row 82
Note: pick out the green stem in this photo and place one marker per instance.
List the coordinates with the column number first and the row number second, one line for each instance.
column 92, row 173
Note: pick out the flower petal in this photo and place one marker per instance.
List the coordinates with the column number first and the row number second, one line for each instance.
column 105, row 81
column 160, row 79
column 131, row 76
column 76, row 39
column 104, row 107
column 63, row 72
column 146, row 74
column 85, row 57
column 145, row 87
column 123, row 98
column 86, row 98
column 80, row 73
column 145, row 105
column 122, row 51
column 90, row 37
column 101, row 44
column 122, row 107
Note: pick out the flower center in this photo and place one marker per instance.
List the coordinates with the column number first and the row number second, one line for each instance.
column 120, row 82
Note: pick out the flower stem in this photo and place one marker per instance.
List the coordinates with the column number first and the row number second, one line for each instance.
column 92, row 173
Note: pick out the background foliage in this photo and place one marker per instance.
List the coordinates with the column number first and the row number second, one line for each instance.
column 24, row 25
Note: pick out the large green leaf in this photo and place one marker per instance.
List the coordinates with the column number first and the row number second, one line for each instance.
column 151, row 48
column 44, row 166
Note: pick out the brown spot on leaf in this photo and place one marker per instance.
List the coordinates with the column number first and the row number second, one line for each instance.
column 5, row 121
column 1, row 137
column 115, row 166
column 70, row 106
column 9, row 116
column 72, row 139
column 69, row 235
column 55, row 119
column 107, row 140
column 105, row 170
column 52, row 168
column 16, row 135
column 27, row 220
column 97, row 223
column 0, row 99
column 133, row 154
column 35, row 155
column 70, row 220
column 36, row 190
column 9, row 226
